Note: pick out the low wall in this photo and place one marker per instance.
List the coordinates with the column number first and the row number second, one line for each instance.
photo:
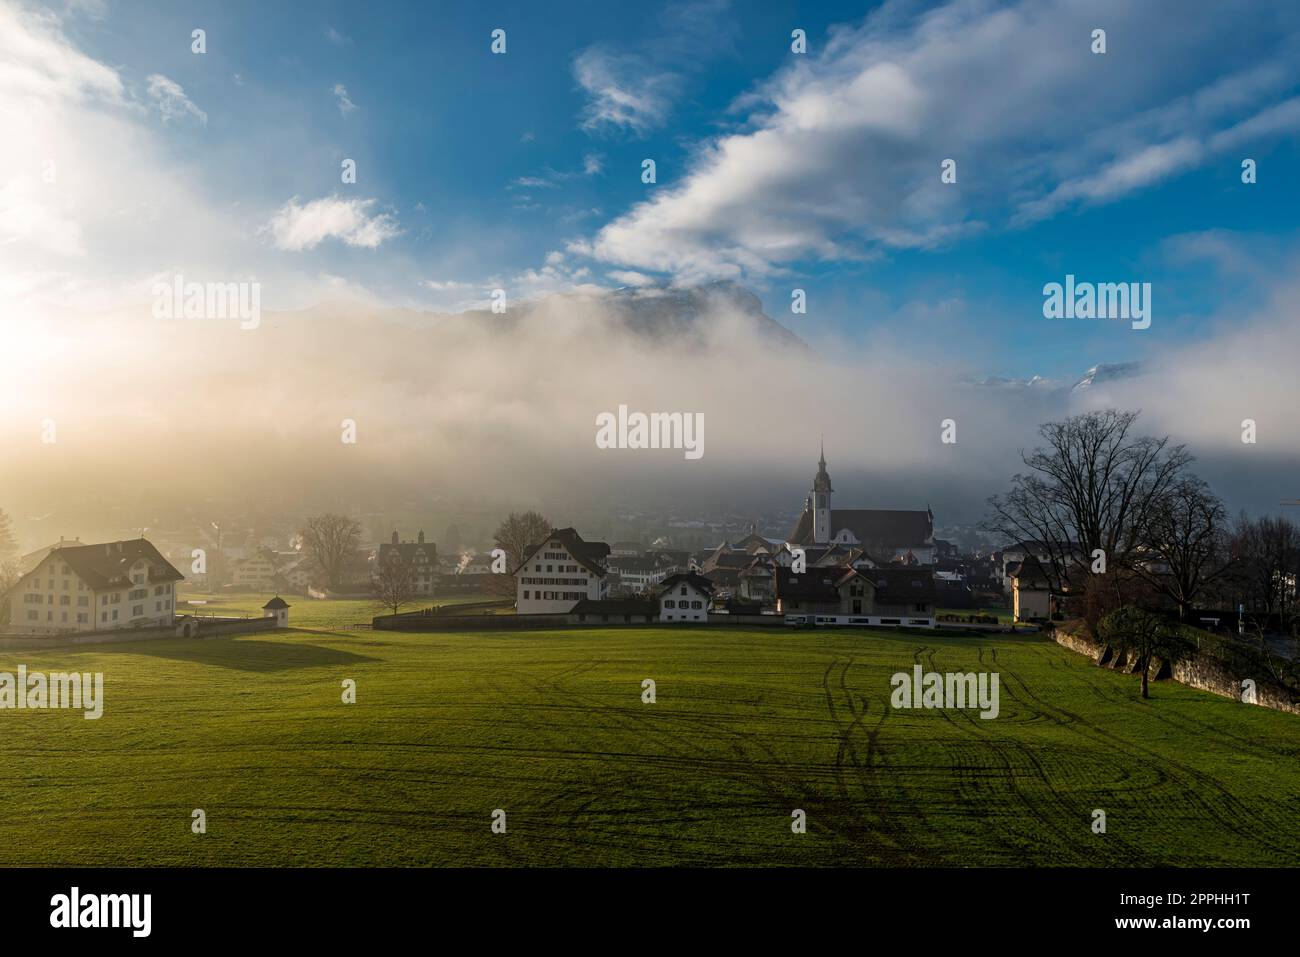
column 207, row 628
column 1201, row 671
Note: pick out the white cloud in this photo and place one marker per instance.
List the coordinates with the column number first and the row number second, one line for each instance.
column 170, row 99
column 346, row 105
column 298, row 226
column 624, row 91
column 840, row 154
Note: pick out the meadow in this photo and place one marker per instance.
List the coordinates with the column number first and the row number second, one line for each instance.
column 550, row 727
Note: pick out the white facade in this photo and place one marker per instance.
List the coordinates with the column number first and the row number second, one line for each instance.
column 53, row 599
column 684, row 602
column 552, row 581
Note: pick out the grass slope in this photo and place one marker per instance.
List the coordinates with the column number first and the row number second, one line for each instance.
column 551, row 727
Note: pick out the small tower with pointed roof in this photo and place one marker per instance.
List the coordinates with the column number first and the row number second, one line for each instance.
column 278, row 609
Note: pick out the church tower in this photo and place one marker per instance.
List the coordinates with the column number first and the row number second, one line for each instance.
column 821, row 503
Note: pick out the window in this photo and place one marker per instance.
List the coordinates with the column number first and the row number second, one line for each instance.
column 697, row 604
column 115, row 614
column 525, row 594
column 103, row 616
column 137, row 611
column 683, row 591
column 65, row 599
column 669, row 603
column 103, row 599
column 81, row 618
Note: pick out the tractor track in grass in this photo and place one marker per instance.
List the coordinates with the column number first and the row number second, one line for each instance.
column 884, row 827
column 1196, row 784
column 1012, row 756
column 771, row 777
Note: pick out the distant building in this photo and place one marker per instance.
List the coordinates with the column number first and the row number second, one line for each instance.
column 887, row 534
column 1031, row 593
column 420, row 555
column 894, row 592
column 258, row 571
column 95, row 588
column 626, row 550
column 636, row 574
column 559, row 572
column 685, row 598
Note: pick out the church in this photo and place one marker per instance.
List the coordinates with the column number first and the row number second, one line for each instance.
column 885, row 534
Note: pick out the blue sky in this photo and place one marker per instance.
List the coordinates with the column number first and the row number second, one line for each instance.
column 817, row 171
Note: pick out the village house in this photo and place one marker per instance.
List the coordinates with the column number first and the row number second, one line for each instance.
column 901, row 592
column 95, row 588
column 685, row 598
column 1032, row 598
column 559, row 572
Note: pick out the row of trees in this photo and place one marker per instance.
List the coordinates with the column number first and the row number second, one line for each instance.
column 1123, row 519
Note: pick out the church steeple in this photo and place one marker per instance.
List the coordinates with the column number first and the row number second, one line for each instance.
column 822, row 482
column 821, row 502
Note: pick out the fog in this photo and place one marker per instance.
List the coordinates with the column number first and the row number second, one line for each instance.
column 483, row 411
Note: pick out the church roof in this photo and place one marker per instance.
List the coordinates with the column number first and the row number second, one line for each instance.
column 871, row 526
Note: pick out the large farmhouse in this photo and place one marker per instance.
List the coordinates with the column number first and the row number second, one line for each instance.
column 559, row 572
column 421, row 556
column 886, row 534
column 95, row 588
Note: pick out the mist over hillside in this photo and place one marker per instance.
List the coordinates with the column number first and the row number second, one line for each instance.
column 500, row 410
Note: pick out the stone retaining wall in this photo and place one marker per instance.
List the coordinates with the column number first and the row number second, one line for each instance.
column 1201, row 671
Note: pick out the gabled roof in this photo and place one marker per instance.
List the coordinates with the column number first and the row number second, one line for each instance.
column 590, row 555
column 897, row 585
column 109, row 564
column 894, row 528
column 816, row 584
column 698, row 582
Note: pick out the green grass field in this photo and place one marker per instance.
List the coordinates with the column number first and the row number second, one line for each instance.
column 303, row 612
column 550, row 727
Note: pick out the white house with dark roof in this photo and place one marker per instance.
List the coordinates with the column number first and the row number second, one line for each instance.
column 882, row 533
column 95, row 588
column 685, row 598
column 559, row 572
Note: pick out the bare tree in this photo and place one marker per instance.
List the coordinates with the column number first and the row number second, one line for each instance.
column 393, row 583
column 1266, row 565
column 1183, row 537
column 1144, row 635
column 10, row 572
column 331, row 540
column 1090, row 487
column 514, row 536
